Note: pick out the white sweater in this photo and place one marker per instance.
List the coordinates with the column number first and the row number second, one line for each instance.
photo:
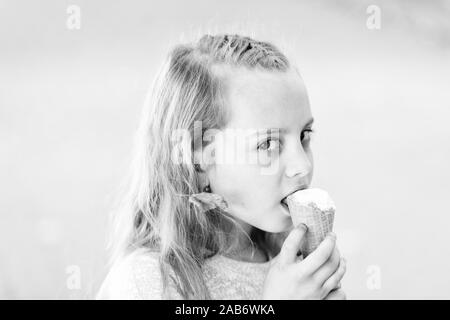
column 137, row 276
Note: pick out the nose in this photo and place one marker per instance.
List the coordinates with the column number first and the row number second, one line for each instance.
column 298, row 163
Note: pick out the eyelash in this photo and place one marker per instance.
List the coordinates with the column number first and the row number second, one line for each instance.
column 265, row 141
column 308, row 131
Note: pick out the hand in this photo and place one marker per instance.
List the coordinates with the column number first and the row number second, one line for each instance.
column 337, row 294
column 314, row 277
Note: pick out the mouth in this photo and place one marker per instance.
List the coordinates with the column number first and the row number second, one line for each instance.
column 285, row 207
column 284, row 200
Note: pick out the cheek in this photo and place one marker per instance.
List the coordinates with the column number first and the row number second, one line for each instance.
column 243, row 186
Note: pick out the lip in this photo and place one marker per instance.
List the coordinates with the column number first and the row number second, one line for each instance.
column 285, row 209
column 284, row 200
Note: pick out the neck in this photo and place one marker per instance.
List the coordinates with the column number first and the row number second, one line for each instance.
column 244, row 246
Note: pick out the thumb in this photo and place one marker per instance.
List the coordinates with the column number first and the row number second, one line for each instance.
column 292, row 244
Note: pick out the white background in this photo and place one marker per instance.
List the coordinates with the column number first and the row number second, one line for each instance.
column 70, row 101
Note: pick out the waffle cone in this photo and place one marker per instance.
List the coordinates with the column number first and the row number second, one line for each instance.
column 319, row 223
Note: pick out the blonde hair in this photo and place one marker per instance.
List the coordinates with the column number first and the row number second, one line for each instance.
column 154, row 210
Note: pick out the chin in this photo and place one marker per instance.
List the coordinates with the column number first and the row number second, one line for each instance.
column 280, row 225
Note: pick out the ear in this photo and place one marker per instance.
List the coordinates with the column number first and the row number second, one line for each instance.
column 204, row 158
column 203, row 162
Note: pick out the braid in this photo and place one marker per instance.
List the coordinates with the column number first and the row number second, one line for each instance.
column 239, row 50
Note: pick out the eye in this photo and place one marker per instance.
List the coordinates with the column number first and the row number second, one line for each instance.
column 306, row 134
column 268, row 145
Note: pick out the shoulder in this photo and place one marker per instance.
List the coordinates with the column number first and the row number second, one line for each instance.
column 136, row 276
column 234, row 279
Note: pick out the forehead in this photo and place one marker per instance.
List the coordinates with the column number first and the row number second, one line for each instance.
column 265, row 99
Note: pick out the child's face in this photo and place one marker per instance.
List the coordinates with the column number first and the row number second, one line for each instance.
column 258, row 101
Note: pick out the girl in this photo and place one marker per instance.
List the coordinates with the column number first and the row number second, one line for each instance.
column 224, row 138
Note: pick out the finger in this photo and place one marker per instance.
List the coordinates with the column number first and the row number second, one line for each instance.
column 292, row 244
column 328, row 268
column 335, row 279
column 336, row 295
column 319, row 256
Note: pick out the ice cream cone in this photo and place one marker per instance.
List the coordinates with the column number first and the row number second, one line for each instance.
column 315, row 209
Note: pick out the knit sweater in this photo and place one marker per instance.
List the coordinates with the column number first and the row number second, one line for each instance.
column 137, row 276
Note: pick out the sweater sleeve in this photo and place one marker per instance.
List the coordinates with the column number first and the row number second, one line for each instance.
column 136, row 277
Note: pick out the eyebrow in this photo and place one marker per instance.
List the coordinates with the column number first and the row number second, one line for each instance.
column 278, row 130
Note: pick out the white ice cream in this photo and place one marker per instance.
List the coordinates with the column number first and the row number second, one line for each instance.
column 320, row 197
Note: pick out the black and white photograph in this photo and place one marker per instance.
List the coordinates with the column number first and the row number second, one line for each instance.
column 224, row 150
